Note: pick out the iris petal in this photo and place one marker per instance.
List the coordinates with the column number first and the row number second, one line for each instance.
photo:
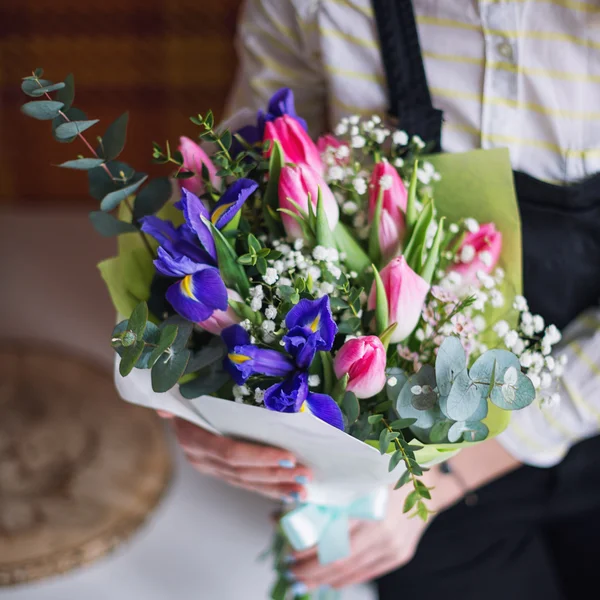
column 325, row 408
column 178, row 265
column 197, row 296
column 193, row 211
column 315, row 315
column 289, row 395
column 232, row 201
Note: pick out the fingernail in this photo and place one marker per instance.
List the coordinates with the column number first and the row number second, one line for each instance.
column 301, row 479
column 286, row 464
column 287, row 499
column 299, row 589
column 289, row 559
column 295, row 496
column 289, row 576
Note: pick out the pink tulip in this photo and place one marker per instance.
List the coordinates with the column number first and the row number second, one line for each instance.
column 389, row 236
column 297, row 183
column 406, row 292
column 394, row 195
column 296, row 144
column 327, row 143
column 364, row 360
column 480, row 251
column 193, row 159
column 221, row 319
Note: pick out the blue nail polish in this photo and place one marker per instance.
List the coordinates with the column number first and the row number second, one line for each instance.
column 295, row 496
column 299, row 589
column 286, row 464
column 289, row 559
column 287, row 499
column 289, row 576
column 302, row 479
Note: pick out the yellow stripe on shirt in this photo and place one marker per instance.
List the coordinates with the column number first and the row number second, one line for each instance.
column 570, row 4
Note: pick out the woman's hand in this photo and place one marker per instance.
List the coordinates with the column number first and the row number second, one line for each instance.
column 268, row 471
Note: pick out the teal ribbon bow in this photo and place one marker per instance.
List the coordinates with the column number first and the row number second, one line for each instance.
column 328, row 527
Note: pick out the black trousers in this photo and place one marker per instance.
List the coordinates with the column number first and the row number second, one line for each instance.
column 534, row 534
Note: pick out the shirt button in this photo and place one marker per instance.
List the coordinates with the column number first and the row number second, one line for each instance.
column 505, row 49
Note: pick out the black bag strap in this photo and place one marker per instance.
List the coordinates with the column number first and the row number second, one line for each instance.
column 409, row 97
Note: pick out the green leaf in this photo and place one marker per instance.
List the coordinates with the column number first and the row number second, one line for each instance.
column 374, row 244
column 400, row 424
column 152, row 198
column 323, row 232
column 47, row 89
column 137, row 320
column 209, row 119
column 337, row 303
column 151, row 336
column 280, row 588
column 232, row 272
column 384, row 441
column 404, row 405
column 130, row 357
column 168, row 370
column 455, row 431
column 386, row 335
column 439, row 432
column 113, row 140
column 356, row 258
column 31, row 86
column 464, row 398
column 434, row 253
column 393, row 391
column 328, row 375
column 100, row 184
column 208, row 381
column 66, row 94
column 245, row 312
column 38, row 72
column 474, row 431
column 208, row 355
column 339, row 388
column 373, row 419
column 413, row 250
column 113, row 199
column 167, row 337
column 351, row 407
column 410, row 501
column 108, row 225
column 404, row 479
column 71, row 114
column 422, row 511
column 82, row 164
column 411, row 209
column 254, row 243
column 381, row 304
column 69, row 130
column 43, row 110
column 395, row 460
column 226, row 139
column 451, row 361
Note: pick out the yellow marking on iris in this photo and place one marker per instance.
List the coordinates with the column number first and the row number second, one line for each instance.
column 303, row 407
column 315, row 324
column 238, row 359
column 186, row 287
column 219, row 212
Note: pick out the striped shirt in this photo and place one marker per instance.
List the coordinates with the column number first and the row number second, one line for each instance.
column 521, row 74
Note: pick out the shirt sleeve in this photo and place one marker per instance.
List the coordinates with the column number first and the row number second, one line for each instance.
column 278, row 47
column 542, row 435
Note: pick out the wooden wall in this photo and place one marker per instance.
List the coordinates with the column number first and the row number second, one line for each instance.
column 163, row 60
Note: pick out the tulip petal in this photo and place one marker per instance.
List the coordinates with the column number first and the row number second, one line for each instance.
column 325, row 408
column 193, row 159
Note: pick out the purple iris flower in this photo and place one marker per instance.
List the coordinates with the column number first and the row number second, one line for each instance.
column 244, row 359
column 292, row 395
column 311, row 329
column 281, row 103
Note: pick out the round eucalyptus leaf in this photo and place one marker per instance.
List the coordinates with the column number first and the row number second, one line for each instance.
column 451, row 361
column 439, row 432
column 514, row 397
column 481, row 411
column 474, row 431
column 168, row 370
column 130, row 357
column 455, row 432
column 404, row 404
column 443, row 404
column 209, row 381
column 464, row 398
column 500, row 360
column 69, row 130
column 43, row 110
column 393, row 391
column 113, row 199
column 426, row 400
column 151, row 336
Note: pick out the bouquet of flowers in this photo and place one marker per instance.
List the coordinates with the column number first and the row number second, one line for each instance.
column 339, row 299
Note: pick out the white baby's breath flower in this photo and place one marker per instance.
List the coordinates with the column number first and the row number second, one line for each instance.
column 335, row 271
column 271, row 312
column 314, row 272
column 472, row 225
column 353, row 274
column 252, row 339
column 454, row 279
column 298, row 244
column 285, row 281
column 420, row 335
column 550, row 401
column 423, row 177
column 552, row 334
column 314, row 380
column 368, row 125
column 537, row 361
column 486, row 258
column 319, row 253
column 360, row 185
column 358, row 141
column 400, row 138
column 279, row 266
column 418, row 142
column 467, row 254
column 380, row 135
column 546, row 380
column 496, row 298
column 479, row 322
column 341, row 129
column 499, row 274
column 437, row 176
column 349, row 337
column 527, row 318
column 526, row 360
column 562, row 360
column 376, row 119
column 333, row 255
column 241, row 390
column 487, row 281
column 535, row 379
column 342, row 152
column 284, row 249
column 259, row 396
column 326, row 288
column 270, row 276
column 398, row 162
column 546, row 348
column 538, row 323
column 550, row 363
column 510, row 339
column 354, row 120
column 453, row 228
column 481, row 299
column 245, row 324
column 520, row 303
column 257, row 291
column 349, row 208
column 386, row 182
column 354, row 130
column 256, row 304
column 336, row 173
column 527, row 330
column 518, row 347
